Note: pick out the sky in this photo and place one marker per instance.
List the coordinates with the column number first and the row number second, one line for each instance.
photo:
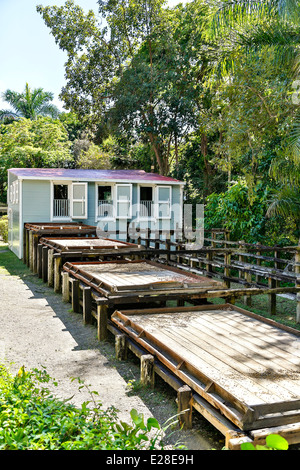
column 28, row 52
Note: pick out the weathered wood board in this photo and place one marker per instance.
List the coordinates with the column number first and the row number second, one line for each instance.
column 246, row 366
column 49, row 228
column 142, row 276
column 86, row 244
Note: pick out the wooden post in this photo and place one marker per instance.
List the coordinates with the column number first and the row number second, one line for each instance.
column 65, row 287
column 297, row 272
column 35, row 242
column 277, row 265
column 241, row 257
column 121, row 347
column 57, row 273
column 184, row 402
column 44, row 263
column 50, row 268
column 227, row 261
column 102, row 322
column 24, row 245
column 258, row 262
column 87, row 305
column 27, row 247
column 147, row 370
column 209, row 257
column 31, row 250
column 40, row 260
column 247, row 298
column 75, row 295
column 272, row 297
column 168, row 246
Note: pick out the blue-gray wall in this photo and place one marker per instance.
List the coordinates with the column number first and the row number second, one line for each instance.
column 35, row 206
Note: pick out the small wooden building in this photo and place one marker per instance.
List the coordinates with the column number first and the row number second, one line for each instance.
column 107, row 199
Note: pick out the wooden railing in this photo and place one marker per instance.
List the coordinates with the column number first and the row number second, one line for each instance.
column 246, row 269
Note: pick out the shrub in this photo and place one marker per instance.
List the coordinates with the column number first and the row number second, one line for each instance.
column 31, row 418
column 4, row 228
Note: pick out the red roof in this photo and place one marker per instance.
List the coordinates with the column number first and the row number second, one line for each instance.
column 93, row 175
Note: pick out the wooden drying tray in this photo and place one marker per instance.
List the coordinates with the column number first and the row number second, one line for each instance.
column 50, row 228
column 142, row 277
column 245, row 366
column 86, row 244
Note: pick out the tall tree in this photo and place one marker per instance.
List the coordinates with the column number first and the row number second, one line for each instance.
column 141, row 73
column 29, row 104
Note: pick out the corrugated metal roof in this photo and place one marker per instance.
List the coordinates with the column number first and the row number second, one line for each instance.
column 94, row 175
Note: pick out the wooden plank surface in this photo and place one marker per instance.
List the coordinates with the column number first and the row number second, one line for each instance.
column 85, row 243
column 132, row 275
column 255, row 362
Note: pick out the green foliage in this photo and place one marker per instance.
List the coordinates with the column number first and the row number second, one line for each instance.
column 4, row 228
column 31, row 418
column 141, row 72
column 29, row 104
column 202, row 91
column 244, row 213
column 273, row 442
column 38, row 143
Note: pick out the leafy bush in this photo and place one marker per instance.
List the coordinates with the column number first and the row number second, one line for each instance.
column 243, row 212
column 31, row 418
column 4, row 228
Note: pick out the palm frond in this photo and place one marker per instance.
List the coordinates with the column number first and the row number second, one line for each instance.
column 285, row 203
column 8, row 114
column 31, row 103
column 226, row 14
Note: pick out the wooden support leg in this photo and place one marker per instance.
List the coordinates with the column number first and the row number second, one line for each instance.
column 40, row 261
column 147, row 370
column 75, row 292
column 184, row 402
column 50, row 268
column 121, row 347
column 65, row 287
column 57, row 274
column 27, row 247
column 233, row 440
column 87, row 305
column 44, row 263
column 35, row 242
column 102, row 322
column 24, row 245
column 31, row 250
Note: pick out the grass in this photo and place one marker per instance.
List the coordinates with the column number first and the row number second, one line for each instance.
column 13, row 266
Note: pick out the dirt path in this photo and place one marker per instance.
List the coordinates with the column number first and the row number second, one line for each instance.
column 37, row 329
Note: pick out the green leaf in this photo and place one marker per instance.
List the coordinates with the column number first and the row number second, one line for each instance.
column 152, row 423
column 247, row 446
column 277, row 442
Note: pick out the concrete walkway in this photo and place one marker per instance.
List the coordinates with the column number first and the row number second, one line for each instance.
column 37, row 329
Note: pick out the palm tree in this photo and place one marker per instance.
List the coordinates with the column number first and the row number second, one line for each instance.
column 29, row 104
